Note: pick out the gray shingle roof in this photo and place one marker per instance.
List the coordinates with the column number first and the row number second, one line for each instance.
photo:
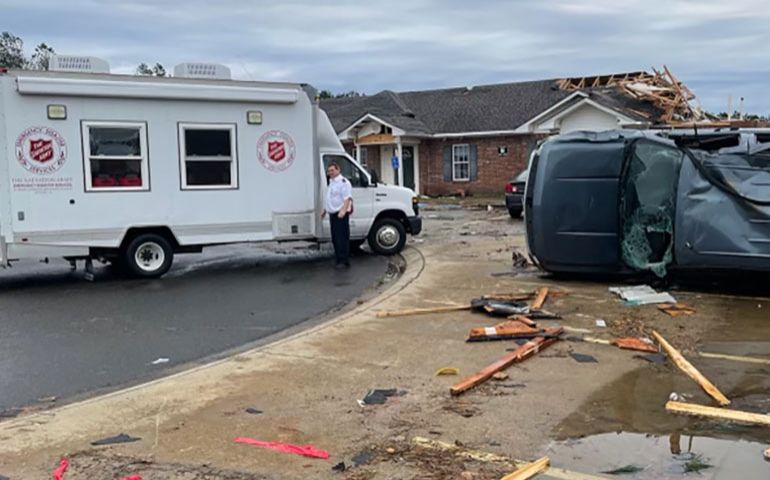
column 477, row 109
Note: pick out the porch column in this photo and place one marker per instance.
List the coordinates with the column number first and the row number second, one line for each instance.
column 358, row 153
column 400, row 155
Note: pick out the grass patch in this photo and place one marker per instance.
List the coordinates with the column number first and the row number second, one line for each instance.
column 696, row 464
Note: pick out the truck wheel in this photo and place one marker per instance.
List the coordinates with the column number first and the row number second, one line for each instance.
column 514, row 212
column 149, row 255
column 387, row 236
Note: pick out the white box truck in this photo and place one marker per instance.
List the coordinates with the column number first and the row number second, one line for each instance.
column 134, row 169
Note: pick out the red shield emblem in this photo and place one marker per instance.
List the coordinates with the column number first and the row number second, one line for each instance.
column 276, row 151
column 41, row 150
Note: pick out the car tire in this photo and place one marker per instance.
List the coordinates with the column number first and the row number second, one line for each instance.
column 514, row 212
column 387, row 236
column 148, row 255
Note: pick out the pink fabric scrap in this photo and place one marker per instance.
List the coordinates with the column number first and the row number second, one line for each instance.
column 304, row 450
column 58, row 474
column 133, row 477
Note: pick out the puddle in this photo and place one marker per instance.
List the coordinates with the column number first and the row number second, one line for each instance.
column 662, row 457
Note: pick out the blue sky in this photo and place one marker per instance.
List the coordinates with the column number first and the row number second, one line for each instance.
column 718, row 48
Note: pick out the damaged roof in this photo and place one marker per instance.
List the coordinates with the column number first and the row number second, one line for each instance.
column 485, row 108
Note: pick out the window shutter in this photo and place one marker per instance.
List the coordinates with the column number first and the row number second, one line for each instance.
column 474, row 163
column 447, row 163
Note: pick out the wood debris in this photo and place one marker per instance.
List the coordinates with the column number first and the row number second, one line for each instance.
column 634, row 343
column 719, row 413
column 735, row 358
column 507, row 330
column 691, row 371
column 525, row 351
column 522, row 319
column 529, row 470
column 422, row 311
column 676, row 309
column 539, row 300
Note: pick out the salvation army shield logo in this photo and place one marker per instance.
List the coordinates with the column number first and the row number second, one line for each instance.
column 41, row 150
column 276, row 150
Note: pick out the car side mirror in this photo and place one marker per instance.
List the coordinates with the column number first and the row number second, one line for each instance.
column 375, row 178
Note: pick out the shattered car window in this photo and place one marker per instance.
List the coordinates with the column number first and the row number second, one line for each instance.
column 648, row 206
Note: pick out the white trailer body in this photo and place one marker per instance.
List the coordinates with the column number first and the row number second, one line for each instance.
column 90, row 161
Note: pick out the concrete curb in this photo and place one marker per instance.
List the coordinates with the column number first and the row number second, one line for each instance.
column 28, row 431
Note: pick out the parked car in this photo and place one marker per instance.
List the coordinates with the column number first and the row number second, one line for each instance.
column 514, row 194
column 631, row 201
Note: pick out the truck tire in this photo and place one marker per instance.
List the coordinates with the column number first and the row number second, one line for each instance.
column 515, row 212
column 387, row 236
column 149, row 255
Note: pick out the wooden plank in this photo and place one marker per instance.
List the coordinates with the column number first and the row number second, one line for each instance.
column 719, row 413
column 735, row 358
column 507, row 330
column 539, row 301
column 691, row 371
column 508, row 297
column 522, row 353
column 422, row 311
column 529, row 470
column 634, row 343
column 522, row 319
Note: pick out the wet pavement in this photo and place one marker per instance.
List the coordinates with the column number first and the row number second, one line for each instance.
column 63, row 337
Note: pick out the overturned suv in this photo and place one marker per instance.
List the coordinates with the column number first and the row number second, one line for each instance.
column 630, row 201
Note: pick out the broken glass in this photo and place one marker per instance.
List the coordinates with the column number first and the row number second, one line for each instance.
column 648, row 206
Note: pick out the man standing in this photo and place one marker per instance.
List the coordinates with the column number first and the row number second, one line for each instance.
column 339, row 202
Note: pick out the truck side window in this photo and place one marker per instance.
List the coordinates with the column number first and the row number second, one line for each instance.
column 115, row 156
column 208, row 156
column 348, row 169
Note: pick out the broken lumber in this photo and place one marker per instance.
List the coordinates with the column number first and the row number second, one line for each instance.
column 522, row 353
column 735, row 358
column 508, row 297
column 503, row 331
column 691, row 371
column 720, row 413
column 522, row 319
column 539, row 301
column 634, row 343
column 676, row 309
column 529, row 470
column 422, row 311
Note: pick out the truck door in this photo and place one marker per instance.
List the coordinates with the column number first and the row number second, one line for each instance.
column 363, row 196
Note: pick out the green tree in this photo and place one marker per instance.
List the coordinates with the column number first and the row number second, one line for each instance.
column 156, row 70
column 41, row 59
column 325, row 94
column 11, row 51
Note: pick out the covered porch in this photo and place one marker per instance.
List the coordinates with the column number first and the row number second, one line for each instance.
column 391, row 152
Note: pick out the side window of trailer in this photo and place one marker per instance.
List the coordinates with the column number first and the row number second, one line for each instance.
column 115, row 156
column 209, row 157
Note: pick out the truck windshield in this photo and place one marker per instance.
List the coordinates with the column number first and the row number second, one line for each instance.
column 348, row 169
column 648, row 206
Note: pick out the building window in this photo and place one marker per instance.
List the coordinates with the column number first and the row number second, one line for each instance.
column 115, row 156
column 461, row 163
column 364, row 157
column 208, row 156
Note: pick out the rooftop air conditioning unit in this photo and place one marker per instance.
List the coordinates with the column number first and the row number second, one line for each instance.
column 77, row 63
column 211, row 71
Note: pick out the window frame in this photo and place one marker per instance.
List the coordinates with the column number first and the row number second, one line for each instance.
column 144, row 154
column 182, row 127
column 364, row 157
column 455, row 161
column 362, row 176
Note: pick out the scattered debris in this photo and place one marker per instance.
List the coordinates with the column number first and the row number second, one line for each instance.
column 634, row 343
column 529, row 470
column 362, row 458
column 447, row 371
column 160, row 361
column 719, row 413
column 539, row 301
column 50, row 399
column 422, row 311
column 656, row 358
column 642, row 295
column 500, row 376
column 691, row 371
column 508, row 297
column 340, row 467
column 583, row 358
column 601, row 323
column 121, row 438
column 522, row 319
column 500, row 308
column 503, row 331
column 525, row 351
column 736, row 358
column 380, row 396
column 463, row 409
column 253, row 411
column 696, row 464
column 304, row 450
column 58, row 474
column 520, row 261
column 132, row 477
column 543, row 315
column 676, row 309
column 624, row 470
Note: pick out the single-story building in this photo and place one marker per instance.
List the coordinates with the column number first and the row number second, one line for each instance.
column 474, row 139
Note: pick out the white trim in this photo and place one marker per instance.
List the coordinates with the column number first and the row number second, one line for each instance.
column 528, row 126
column 232, row 159
column 478, row 134
column 177, row 91
column 619, row 116
column 343, row 135
column 468, row 161
column 143, row 158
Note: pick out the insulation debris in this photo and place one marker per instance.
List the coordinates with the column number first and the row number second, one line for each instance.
column 642, row 295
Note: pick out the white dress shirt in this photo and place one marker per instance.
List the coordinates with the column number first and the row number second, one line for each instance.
column 338, row 191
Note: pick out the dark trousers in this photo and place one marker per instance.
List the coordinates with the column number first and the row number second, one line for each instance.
column 340, row 237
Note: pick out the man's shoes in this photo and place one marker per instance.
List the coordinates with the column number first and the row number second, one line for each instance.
column 342, row 266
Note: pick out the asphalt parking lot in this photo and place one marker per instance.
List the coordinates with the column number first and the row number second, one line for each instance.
column 64, row 337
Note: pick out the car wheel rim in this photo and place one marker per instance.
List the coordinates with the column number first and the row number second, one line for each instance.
column 388, row 237
column 149, row 257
